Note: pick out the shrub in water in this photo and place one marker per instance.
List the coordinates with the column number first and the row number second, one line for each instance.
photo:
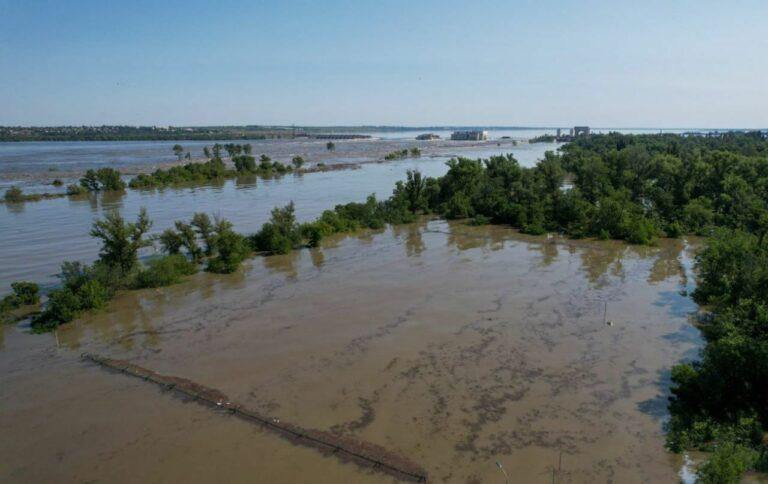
column 26, row 292
column 232, row 248
column 14, row 195
column 165, row 271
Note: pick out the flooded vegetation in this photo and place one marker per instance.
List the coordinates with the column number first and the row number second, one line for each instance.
column 481, row 343
column 33, row 249
column 457, row 346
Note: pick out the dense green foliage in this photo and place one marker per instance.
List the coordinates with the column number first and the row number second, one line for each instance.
column 404, row 153
column 165, row 271
column 222, row 246
column 91, row 287
column 720, row 402
column 107, row 179
column 727, row 464
column 545, row 138
column 23, row 294
column 627, row 187
column 121, row 241
column 214, row 169
column 83, row 288
column 280, row 235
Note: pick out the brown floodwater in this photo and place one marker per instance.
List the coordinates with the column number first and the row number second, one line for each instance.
column 455, row 346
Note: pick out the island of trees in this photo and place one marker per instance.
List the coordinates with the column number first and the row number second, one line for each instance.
column 629, row 187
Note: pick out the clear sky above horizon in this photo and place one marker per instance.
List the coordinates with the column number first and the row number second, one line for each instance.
column 664, row 64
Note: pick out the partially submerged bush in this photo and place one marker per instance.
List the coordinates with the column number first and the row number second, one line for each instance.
column 14, row 195
column 232, row 248
column 103, row 179
column 76, row 190
column 82, row 291
column 280, row 235
column 727, row 464
column 24, row 294
column 165, row 271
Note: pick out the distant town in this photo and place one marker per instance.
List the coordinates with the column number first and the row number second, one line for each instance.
column 255, row 132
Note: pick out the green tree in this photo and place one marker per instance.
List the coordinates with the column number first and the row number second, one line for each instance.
column 188, row 238
column 121, row 241
column 281, row 234
column 414, row 190
column 205, row 229
column 171, row 241
column 178, row 150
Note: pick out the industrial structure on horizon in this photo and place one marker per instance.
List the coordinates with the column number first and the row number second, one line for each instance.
column 469, row 135
column 573, row 133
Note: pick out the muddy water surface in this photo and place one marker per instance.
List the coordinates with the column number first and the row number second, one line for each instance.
column 457, row 346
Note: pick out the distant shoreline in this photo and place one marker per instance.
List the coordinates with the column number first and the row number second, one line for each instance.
column 12, row 134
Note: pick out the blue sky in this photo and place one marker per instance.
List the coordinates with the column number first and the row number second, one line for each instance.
column 618, row 63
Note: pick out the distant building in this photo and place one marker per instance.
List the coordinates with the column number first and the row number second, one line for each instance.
column 581, row 130
column 427, row 137
column 573, row 133
column 469, row 135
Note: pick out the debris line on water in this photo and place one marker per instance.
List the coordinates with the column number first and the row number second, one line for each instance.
column 347, row 449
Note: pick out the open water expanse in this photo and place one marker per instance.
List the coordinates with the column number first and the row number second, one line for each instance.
column 38, row 236
column 456, row 346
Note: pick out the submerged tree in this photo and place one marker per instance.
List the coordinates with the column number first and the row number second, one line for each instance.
column 178, row 150
column 121, row 241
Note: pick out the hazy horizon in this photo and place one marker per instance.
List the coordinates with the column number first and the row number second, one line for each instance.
column 687, row 65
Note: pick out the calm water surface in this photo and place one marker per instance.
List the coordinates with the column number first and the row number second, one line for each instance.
column 38, row 236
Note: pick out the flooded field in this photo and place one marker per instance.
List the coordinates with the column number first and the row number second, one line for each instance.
column 34, row 165
column 39, row 236
column 456, row 346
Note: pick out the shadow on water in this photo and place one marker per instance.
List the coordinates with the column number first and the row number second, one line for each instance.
column 318, row 257
column 656, row 407
column 414, row 242
column 283, row 264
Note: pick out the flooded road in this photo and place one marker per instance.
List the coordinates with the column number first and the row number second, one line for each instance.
column 456, row 346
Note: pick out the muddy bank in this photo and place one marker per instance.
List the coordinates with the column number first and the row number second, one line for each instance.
column 456, row 346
